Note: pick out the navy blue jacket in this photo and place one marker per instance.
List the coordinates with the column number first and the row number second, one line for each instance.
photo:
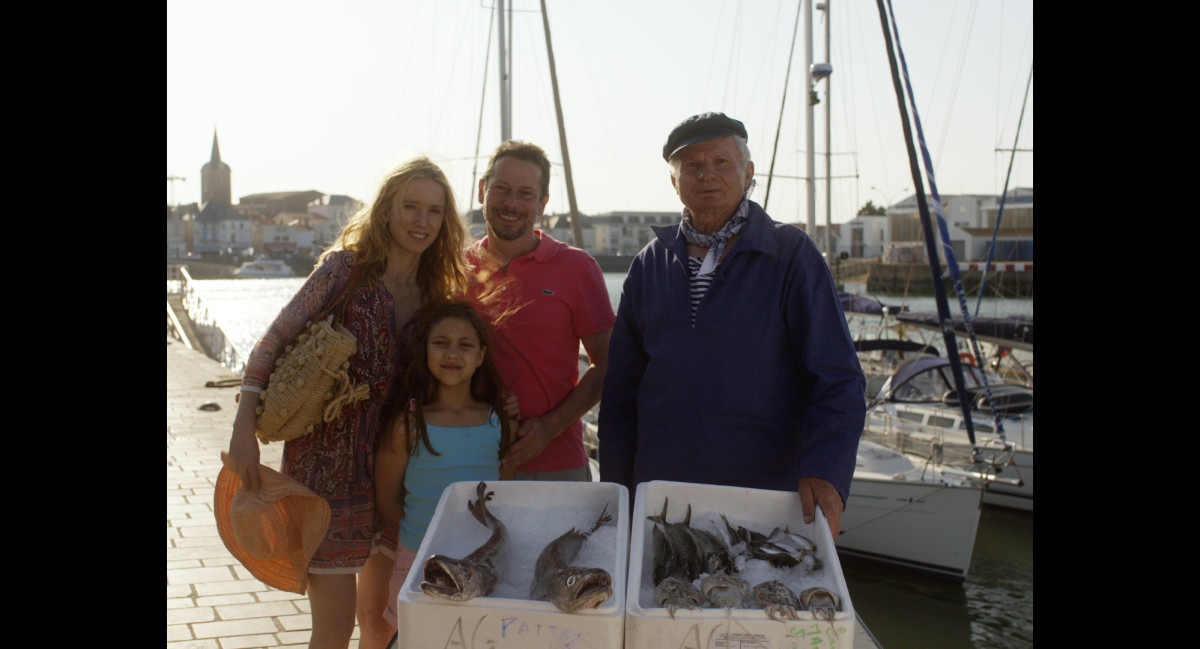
column 766, row 387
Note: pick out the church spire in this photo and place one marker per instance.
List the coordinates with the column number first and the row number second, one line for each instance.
column 216, row 152
column 215, row 179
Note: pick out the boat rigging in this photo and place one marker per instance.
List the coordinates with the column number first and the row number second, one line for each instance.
column 904, row 97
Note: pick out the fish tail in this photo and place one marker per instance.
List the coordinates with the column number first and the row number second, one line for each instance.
column 604, row 518
column 479, row 507
column 662, row 516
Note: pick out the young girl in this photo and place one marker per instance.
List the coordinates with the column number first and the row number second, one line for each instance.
column 444, row 428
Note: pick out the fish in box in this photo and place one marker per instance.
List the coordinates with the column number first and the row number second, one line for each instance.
column 584, row 524
column 773, row 581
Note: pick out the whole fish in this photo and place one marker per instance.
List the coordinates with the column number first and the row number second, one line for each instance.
column 474, row 575
column 799, row 541
column 674, row 593
column 682, row 554
column 724, row 590
column 743, row 535
column 570, row 588
column 781, row 548
column 676, row 551
column 821, row 602
column 778, row 600
column 683, row 551
column 714, row 554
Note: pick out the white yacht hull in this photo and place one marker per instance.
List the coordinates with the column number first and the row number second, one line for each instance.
column 896, row 516
column 913, row 427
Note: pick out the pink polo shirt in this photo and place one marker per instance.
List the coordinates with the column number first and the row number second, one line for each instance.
column 540, row 308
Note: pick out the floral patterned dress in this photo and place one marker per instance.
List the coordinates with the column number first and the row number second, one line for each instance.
column 337, row 460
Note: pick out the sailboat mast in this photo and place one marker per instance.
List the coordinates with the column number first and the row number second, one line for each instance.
column 828, row 147
column 778, row 125
column 576, row 227
column 810, row 181
column 505, row 97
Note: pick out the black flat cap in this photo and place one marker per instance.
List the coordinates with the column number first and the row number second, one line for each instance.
column 698, row 128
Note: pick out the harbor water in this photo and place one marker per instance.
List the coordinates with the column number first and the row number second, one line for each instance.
column 991, row 609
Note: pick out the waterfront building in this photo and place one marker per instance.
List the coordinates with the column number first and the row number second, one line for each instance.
column 336, row 211
column 559, row 227
column 864, row 236
column 176, row 234
column 218, row 229
column 970, row 221
column 287, row 234
column 626, row 233
column 303, row 223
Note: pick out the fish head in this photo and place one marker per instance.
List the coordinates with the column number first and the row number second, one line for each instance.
column 723, row 589
column 777, row 599
column 576, row 588
column 774, row 592
column 456, row 580
column 819, row 597
column 674, row 593
column 718, row 560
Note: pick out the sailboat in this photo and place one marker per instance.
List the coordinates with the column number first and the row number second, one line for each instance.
column 964, row 388
column 914, row 406
column 903, row 509
column 965, row 414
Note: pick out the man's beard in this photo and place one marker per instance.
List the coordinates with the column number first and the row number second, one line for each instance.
column 506, row 230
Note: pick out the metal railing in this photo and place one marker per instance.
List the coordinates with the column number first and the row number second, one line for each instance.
column 175, row 327
column 216, row 344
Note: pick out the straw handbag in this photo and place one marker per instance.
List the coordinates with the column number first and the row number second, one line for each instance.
column 311, row 381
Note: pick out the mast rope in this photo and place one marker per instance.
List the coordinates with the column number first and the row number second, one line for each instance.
column 897, row 63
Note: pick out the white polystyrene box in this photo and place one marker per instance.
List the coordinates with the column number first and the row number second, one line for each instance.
column 534, row 514
column 650, row 627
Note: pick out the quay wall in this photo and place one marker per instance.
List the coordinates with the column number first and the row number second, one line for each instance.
column 916, row 279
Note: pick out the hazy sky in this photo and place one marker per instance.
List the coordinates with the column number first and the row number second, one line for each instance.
column 329, row 96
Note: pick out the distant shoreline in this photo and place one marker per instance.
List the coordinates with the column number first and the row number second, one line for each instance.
column 879, row 278
column 222, row 267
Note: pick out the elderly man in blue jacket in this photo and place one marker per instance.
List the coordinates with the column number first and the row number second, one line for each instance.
column 730, row 362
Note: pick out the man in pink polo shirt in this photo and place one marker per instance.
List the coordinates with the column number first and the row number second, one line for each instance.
column 543, row 297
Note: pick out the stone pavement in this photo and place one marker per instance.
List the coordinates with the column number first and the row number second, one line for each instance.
column 212, row 601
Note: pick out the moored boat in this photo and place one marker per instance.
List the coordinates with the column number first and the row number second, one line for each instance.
column 264, row 268
column 910, row 513
column 917, row 410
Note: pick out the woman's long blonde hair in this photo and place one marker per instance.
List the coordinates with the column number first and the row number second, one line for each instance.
column 440, row 272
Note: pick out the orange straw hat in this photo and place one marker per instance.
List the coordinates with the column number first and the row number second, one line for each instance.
column 273, row 532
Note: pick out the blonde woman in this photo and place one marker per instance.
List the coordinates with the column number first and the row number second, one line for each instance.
column 393, row 260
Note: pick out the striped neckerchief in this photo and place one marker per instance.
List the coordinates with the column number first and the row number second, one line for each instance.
column 701, row 272
column 716, row 242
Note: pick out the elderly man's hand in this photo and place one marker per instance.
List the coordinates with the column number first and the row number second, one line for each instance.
column 815, row 491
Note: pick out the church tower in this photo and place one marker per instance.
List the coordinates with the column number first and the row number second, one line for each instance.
column 214, row 179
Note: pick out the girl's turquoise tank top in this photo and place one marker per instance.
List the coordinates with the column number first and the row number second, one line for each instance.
column 467, row 453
